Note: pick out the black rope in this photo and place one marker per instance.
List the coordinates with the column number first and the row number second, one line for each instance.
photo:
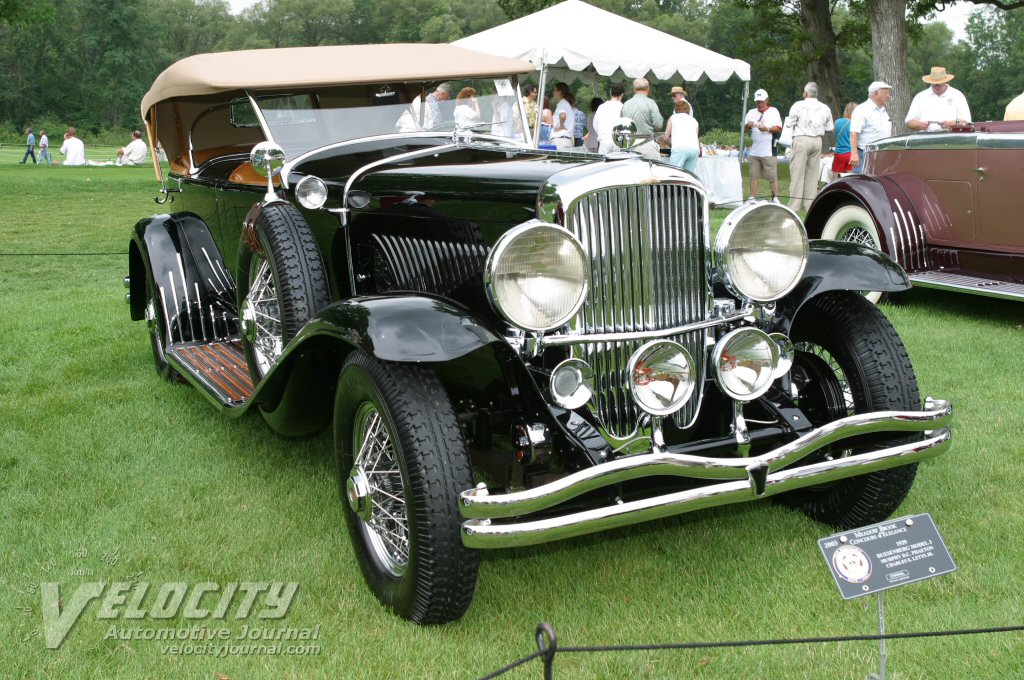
column 548, row 650
column 58, row 254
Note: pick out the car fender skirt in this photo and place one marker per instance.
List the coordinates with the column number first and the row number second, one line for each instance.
column 839, row 265
column 407, row 328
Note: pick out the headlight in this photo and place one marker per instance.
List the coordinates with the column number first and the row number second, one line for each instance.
column 761, row 251
column 311, row 192
column 536, row 276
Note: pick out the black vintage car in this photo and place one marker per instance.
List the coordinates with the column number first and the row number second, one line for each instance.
column 511, row 345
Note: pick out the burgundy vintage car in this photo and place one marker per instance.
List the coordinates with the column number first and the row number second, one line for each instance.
column 944, row 205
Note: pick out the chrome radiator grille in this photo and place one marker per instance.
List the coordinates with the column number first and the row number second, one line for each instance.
column 648, row 271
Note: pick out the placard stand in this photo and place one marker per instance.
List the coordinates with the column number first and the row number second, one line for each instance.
column 881, row 631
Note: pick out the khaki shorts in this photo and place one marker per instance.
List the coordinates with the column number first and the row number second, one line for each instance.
column 764, row 166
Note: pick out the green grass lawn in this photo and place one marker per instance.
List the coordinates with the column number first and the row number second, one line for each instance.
column 108, row 473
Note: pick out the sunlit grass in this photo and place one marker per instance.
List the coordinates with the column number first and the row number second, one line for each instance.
column 97, row 453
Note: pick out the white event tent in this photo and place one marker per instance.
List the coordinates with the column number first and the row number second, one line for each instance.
column 573, row 36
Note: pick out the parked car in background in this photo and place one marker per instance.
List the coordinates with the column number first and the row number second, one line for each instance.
column 512, row 346
column 944, row 205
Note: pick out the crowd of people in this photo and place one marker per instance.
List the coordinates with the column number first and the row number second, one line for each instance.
column 73, row 150
column 938, row 107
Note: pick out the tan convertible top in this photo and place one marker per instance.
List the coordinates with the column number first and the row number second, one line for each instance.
column 297, row 67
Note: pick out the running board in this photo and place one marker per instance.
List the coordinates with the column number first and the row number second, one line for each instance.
column 969, row 284
column 219, row 368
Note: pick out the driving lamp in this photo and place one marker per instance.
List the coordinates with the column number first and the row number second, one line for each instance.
column 661, row 377
column 745, row 362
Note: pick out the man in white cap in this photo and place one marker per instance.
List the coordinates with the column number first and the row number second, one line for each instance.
column 870, row 122
column 940, row 107
column 763, row 121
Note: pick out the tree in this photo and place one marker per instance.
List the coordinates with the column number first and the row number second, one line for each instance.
column 889, row 46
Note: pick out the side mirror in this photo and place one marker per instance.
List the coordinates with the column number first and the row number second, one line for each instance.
column 267, row 159
column 624, row 134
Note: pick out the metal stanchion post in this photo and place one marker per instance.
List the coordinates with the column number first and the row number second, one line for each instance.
column 880, row 675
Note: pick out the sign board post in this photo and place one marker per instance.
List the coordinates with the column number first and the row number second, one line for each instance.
column 886, row 555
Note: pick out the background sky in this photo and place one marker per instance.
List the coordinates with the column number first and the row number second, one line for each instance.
column 955, row 16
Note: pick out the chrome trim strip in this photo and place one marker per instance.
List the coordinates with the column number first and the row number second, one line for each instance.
column 477, row 503
column 959, row 283
column 580, row 338
column 480, row 533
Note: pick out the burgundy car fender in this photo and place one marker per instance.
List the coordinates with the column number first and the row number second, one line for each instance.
column 892, row 201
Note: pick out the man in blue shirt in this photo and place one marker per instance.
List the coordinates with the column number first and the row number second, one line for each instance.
column 31, row 142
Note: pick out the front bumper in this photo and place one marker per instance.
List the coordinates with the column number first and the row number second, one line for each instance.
column 751, row 478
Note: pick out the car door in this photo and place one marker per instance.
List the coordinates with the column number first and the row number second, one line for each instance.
column 998, row 172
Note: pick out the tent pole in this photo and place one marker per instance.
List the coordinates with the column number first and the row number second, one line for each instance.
column 540, row 97
column 743, row 115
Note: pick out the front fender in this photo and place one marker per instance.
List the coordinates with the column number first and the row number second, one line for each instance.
column 888, row 199
column 295, row 397
column 838, row 265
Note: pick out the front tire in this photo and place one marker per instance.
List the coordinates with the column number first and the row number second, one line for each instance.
column 852, row 223
column 282, row 283
column 850, row 360
column 402, row 462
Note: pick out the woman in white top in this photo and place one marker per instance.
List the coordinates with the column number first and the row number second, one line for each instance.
column 682, row 132
column 467, row 108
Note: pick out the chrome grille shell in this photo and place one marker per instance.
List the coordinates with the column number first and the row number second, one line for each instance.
column 645, row 230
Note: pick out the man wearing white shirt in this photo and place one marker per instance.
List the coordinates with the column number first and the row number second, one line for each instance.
column 562, row 130
column 870, row 122
column 605, row 119
column 810, row 120
column 134, row 153
column 763, row 121
column 940, row 107
column 73, row 148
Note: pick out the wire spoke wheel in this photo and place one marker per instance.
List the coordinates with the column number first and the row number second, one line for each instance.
column 376, row 491
column 261, row 316
column 849, row 359
column 402, row 463
column 852, row 223
column 283, row 283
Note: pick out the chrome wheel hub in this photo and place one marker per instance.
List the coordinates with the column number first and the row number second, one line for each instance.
column 858, row 233
column 357, row 491
column 376, row 493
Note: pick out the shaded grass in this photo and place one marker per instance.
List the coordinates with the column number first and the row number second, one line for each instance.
column 97, row 453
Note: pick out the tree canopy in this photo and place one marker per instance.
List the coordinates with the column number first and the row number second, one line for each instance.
column 88, row 62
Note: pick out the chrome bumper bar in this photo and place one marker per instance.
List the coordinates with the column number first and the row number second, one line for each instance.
column 752, row 478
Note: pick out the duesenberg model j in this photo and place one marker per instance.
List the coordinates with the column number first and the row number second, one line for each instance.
column 512, row 345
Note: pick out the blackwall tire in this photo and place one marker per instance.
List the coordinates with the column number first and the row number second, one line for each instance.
column 402, row 462
column 850, row 360
column 281, row 284
column 852, row 223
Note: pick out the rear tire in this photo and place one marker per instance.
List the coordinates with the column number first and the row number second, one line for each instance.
column 852, row 223
column 850, row 360
column 403, row 462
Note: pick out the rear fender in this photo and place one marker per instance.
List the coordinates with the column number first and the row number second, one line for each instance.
column 197, row 291
column 838, row 265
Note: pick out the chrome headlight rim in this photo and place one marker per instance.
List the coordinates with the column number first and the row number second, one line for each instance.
column 716, row 360
column 499, row 251
column 647, row 348
column 723, row 253
column 311, row 192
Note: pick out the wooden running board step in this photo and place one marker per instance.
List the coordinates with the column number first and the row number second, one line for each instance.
column 220, row 366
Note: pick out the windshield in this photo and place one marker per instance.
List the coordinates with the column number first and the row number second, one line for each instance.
column 303, row 122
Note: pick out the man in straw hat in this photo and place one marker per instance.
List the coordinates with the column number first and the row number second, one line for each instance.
column 940, row 107
column 678, row 95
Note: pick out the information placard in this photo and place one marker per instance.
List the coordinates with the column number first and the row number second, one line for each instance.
column 886, row 555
